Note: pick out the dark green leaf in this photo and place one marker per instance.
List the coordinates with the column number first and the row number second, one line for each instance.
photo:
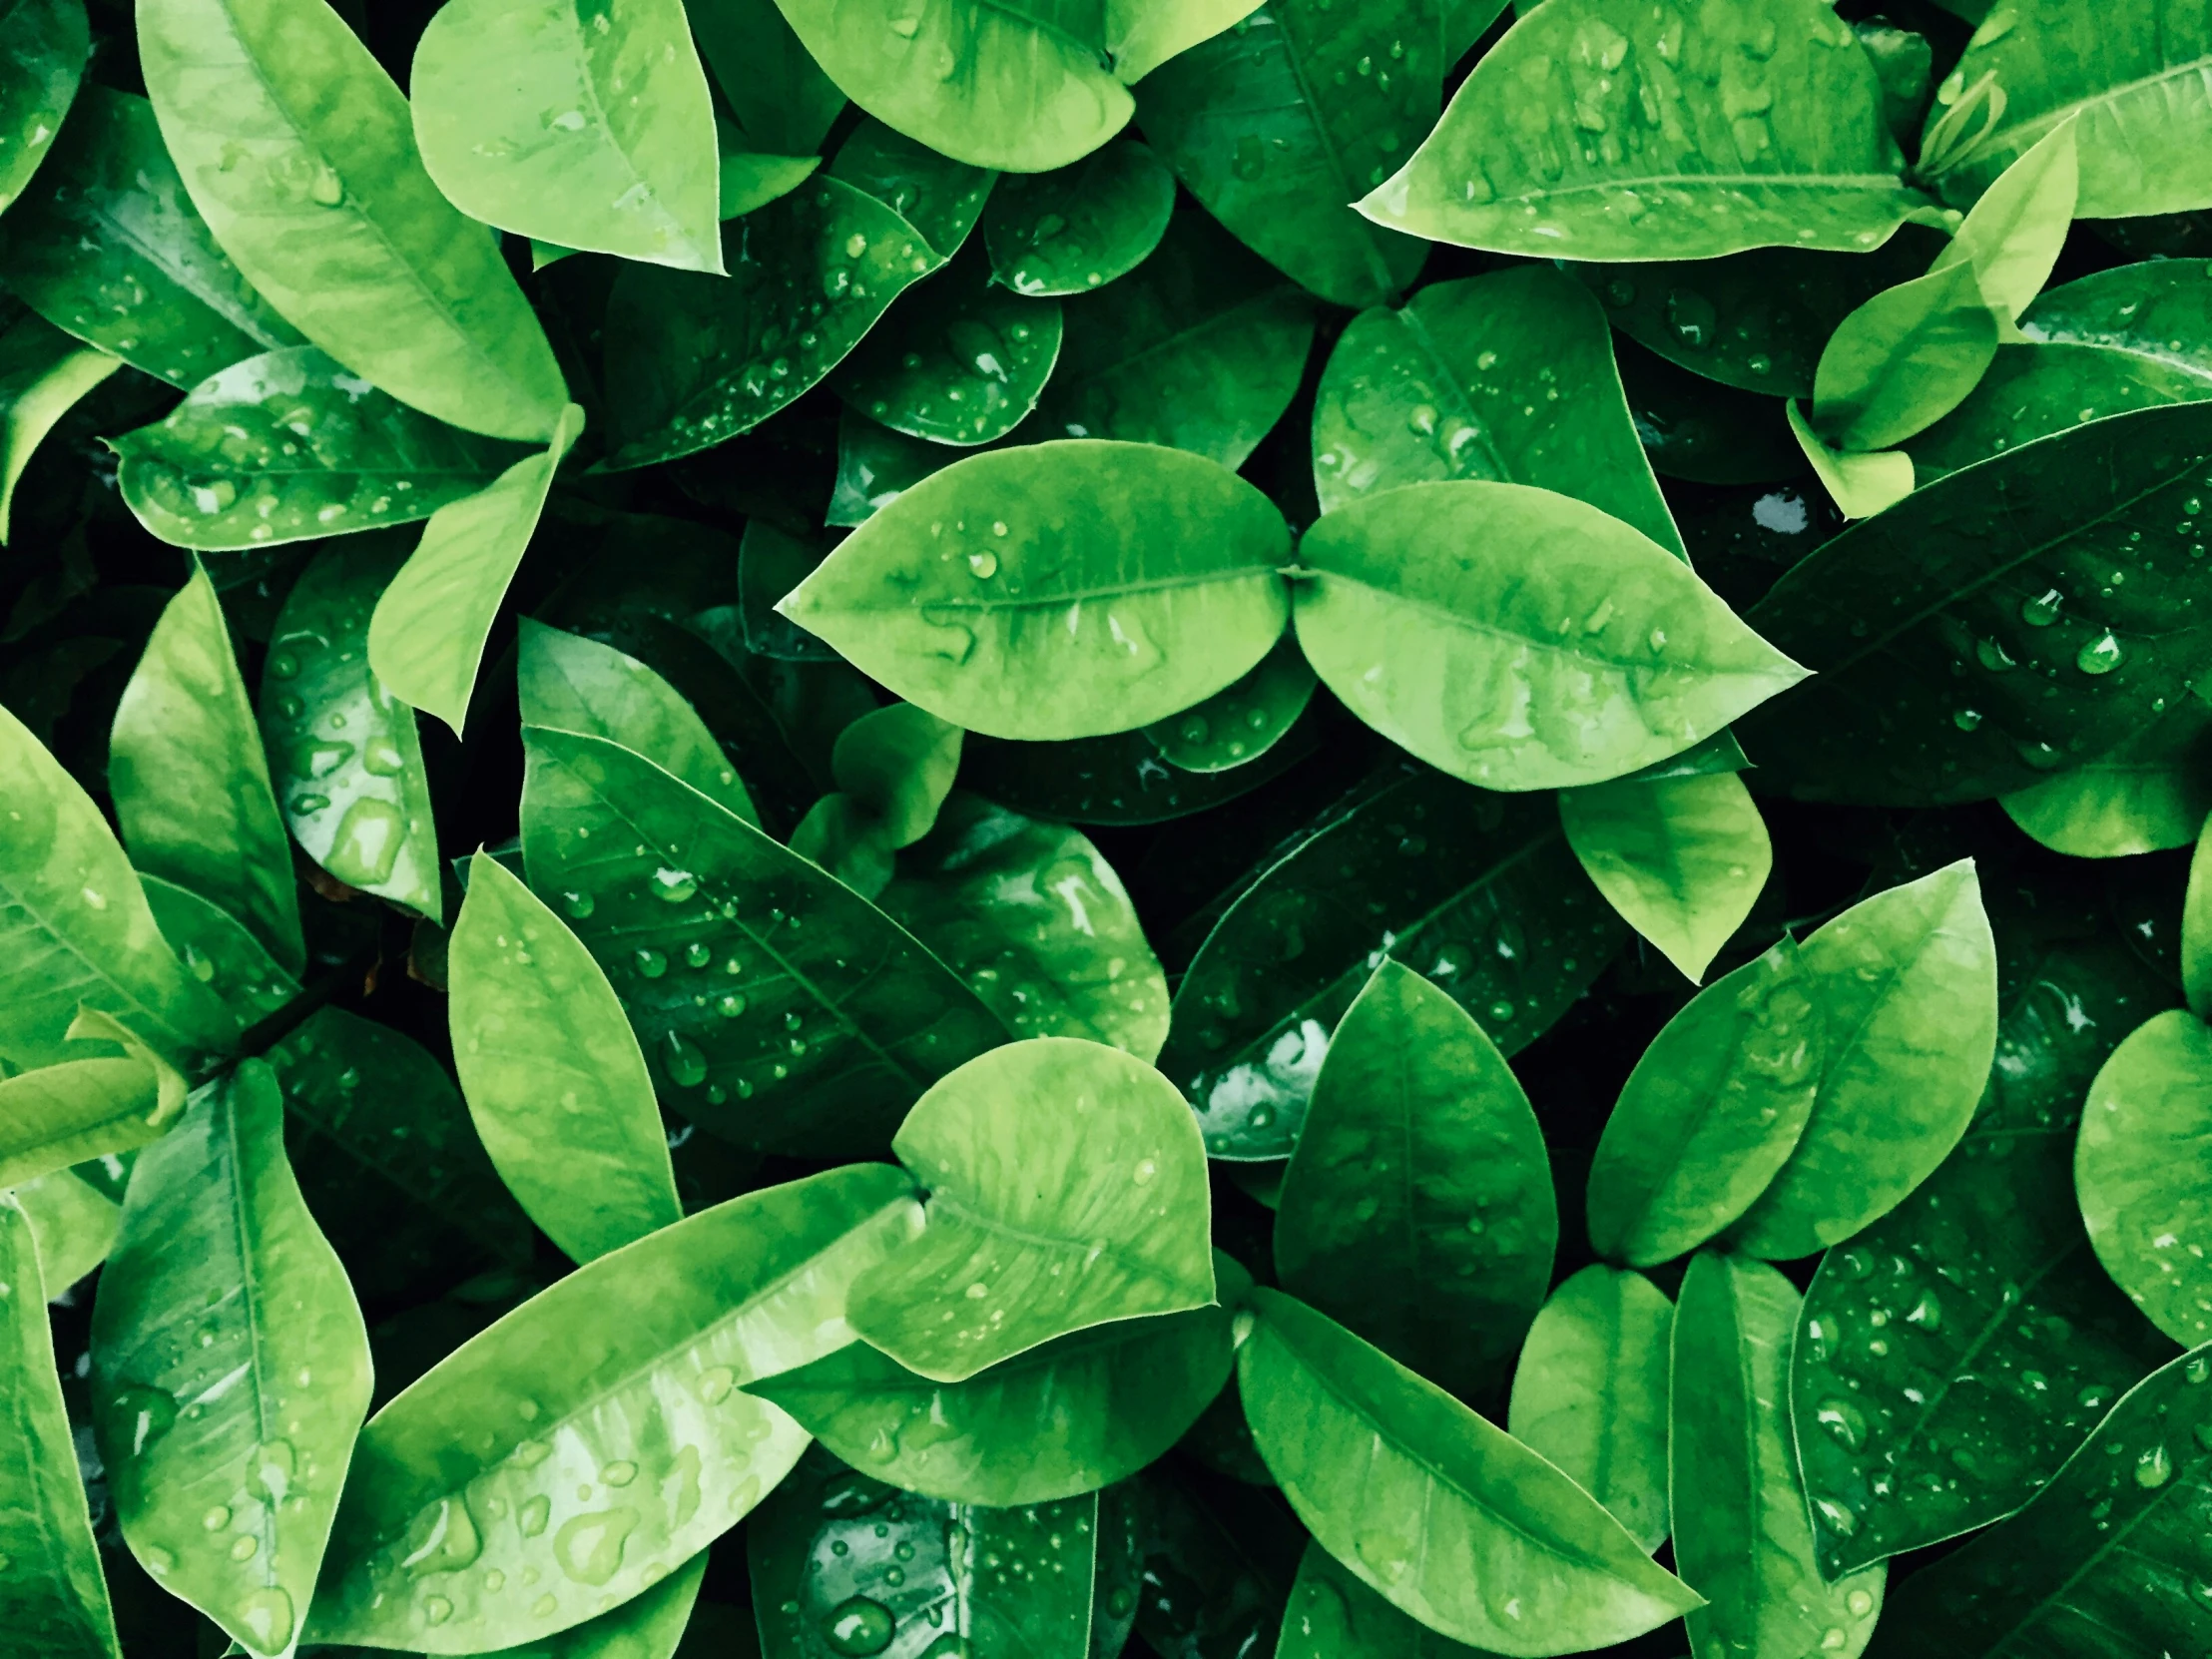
column 43, row 375
column 1696, row 429
column 2031, row 391
column 940, row 197
column 1332, row 1615
column 780, row 97
column 1241, row 722
column 875, row 467
column 43, row 47
column 1082, row 226
column 2150, row 794
column 2160, row 309
column 1120, row 780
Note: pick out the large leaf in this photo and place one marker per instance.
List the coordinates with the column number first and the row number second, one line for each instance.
column 1520, row 639
column 773, row 1004
column 1057, row 590
column 2139, row 1171
column 2031, row 391
column 2161, row 309
column 1972, row 639
column 1478, row 893
column 1741, row 1534
column 554, row 1078
column 598, row 1435
column 1682, row 859
column 109, row 247
column 584, row 126
column 46, row 43
column 1448, row 1517
column 1067, row 1189
column 1079, row 226
column 1611, row 130
column 190, row 781
column 1418, row 1210
column 780, row 97
column 333, row 217
column 1276, row 127
column 230, row 1368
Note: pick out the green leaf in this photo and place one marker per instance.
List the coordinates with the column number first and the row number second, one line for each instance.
column 1861, row 485
column 73, row 1224
column 2129, row 79
column 587, row 127
column 1118, row 780
column 107, row 247
column 1591, row 1394
column 43, row 375
column 75, row 930
column 1241, row 722
column 969, row 594
column 692, row 359
column 934, row 194
column 1683, row 860
column 751, row 180
column 1201, row 347
column 1907, row 982
column 426, row 636
column 1455, row 1521
column 1904, row 360
column 1520, row 639
column 1071, row 1416
column 342, row 751
column 554, row 1078
column 223, row 1305
column 2196, row 931
column 2031, row 391
column 899, row 763
column 190, row 781
column 1699, row 160
column 1042, row 1222
column 1741, row 1535
column 335, row 221
column 1984, row 570
column 1441, row 389
column 1479, row 891
column 773, row 1004
column 1081, row 225
column 1699, row 430
column 875, row 465
column 54, row 1586
column 2139, row 1169
column 46, row 44
column 1275, row 129
column 780, row 95
column 67, row 1112
column 2161, row 309
column 2150, row 794
column 2014, row 232
column 1332, row 1615
column 1418, row 1210
column 638, row 1447
column 1711, row 1113
column 652, row 1624
column 958, row 361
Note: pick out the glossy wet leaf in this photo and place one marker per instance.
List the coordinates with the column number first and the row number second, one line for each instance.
column 342, row 751
column 598, row 1434
column 2032, row 390
column 1418, row 1210
column 190, row 781
column 43, row 375
column 2161, row 309
column 1276, row 128
column 1507, row 377
column 1215, row 1564
column 107, row 247
column 1740, row 1536
column 939, row 195
column 1607, row 129
column 1889, row 612
column 1451, row 1518
column 1683, row 860
column 1903, row 361
column 1201, row 347
column 54, row 1586
column 875, row 465
column 1242, row 721
column 555, row 1080
column 749, row 179
column 1118, row 780
column 1067, row 1189
column 589, row 127
column 1332, row 1615
column 773, row 1003
column 780, row 95
column 287, row 446
column 2150, row 794
column 1591, row 1393
column 1477, row 891
column 2014, row 232
column 958, row 361
column 45, row 46
column 230, row 1368
column 73, row 1225
column 1057, row 590
column 1711, row 1112
column 2194, row 939
column 1520, row 638
column 1906, row 983
column 1081, row 225
column 694, row 359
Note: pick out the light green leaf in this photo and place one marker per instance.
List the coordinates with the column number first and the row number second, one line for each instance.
column 1861, row 485
column 588, row 127
column 2150, row 794
column 1453, row 1519
column 1683, row 860
column 1067, row 1189
column 2196, row 927
column 333, row 217
column 190, row 781
column 1907, row 982
column 43, row 48
column 652, row 1624
column 230, row 1368
column 898, row 763
column 1082, row 226
column 1417, row 1209
column 780, row 95
column 1741, row 1534
column 1242, row 721
column 1057, row 590
column 1332, row 1614
column 1520, row 639
column 641, row 1448
column 2139, row 1169
column 43, row 375
column 54, row 1584
column 1591, row 1393
column 427, row 635
column 73, row 1224
column 554, row 1078
column 342, row 751
column 1607, row 129
column 70, row 1111
column 2013, row 235
column 1903, row 361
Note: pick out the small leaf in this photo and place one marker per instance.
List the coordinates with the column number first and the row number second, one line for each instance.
column 2139, row 1169
column 1860, row 484
column 43, row 375
column 1079, row 226
column 1683, row 859
column 43, row 48
column 1334, row 1615
column 2013, row 235
column 1242, row 721
column 65, row 1113
column 1904, row 360
column 2152, row 792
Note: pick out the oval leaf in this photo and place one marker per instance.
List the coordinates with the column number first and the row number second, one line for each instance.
column 1903, row 361
column 1682, row 859
column 1240, row 723
column 2138, row 1170
column 46, row 44
column 2150, row 794
column 1079, row 226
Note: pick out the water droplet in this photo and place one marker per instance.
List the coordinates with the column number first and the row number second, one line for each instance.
column 1144, row 1172
column 215, row 1520
column 579, row 905
column 267, row 1616
column 1993, row 656
column 533, row 1515
column 685, row 1064
column 589, row 1546
column 2042, row 610
column 672, row 886
column 2153, row 1469
column 983, row 565
column 729, row 1005
column 1692, row 319
column 442, row 1538
column 1966, row 719
column 2101, row 655
column 859, row 1626
column 1840, row 1520
column 437, row 1609
column 366, row 848
column 650, row 963
column 1844, row 1420
column 244, row 1547
column 716, row 1384
column 1860, row 1602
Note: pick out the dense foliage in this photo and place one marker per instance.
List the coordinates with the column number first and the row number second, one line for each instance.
column 1341, row 827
